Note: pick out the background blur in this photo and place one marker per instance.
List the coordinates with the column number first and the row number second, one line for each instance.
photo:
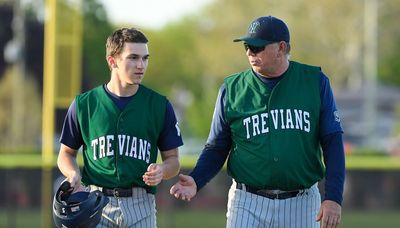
column 52, row 50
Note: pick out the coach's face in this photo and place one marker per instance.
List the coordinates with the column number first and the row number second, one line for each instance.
column 132, row 63
column 268, row 62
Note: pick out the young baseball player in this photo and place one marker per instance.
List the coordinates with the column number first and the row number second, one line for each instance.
column 270, row 122
column 121, row 126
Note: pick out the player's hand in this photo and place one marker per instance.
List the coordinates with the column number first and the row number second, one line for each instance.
column 154, row 174
column 329, row 214
column 75, row 181
column 185, row 188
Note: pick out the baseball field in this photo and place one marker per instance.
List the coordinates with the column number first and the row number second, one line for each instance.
column 209, row 218
column 191, row 216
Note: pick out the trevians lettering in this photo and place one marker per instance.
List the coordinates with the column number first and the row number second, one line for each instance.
column 281, row 118
column 129, row 146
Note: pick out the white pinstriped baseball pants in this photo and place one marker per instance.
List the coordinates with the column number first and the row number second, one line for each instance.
column 249, row 210
column 138, row 211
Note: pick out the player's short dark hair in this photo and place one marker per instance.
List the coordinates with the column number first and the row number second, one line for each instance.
column 115, row 42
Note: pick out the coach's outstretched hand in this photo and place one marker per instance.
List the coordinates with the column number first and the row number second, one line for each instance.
column 185, row 188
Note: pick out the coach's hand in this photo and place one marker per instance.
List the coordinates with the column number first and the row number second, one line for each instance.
column 329, row 214
column 185, row 188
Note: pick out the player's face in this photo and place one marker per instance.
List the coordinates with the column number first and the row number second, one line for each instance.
column 267, row 61
column 132, row 63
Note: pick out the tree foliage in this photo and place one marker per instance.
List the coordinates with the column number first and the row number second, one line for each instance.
column 29, row 127
column 190, row 58
column 389, row 42
column 197, row 52
column 96, row 30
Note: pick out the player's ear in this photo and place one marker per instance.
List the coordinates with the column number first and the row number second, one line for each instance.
column 111, row 62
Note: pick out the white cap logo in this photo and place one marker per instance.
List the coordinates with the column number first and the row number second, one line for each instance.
column 253, row 27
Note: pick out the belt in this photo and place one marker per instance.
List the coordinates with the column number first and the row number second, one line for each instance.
column 268, row 193
column 117, row 192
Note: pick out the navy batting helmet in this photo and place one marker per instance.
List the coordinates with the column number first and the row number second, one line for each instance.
column 79, row 209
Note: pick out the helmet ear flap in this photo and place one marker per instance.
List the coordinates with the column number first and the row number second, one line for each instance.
column 101, row 200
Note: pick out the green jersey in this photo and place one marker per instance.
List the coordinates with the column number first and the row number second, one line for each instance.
column 274, row 132
column 119, row 145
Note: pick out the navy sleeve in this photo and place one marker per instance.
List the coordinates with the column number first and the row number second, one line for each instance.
column 332, row 146
column 217, row 148
column 170, row 136
column 331, row 143
column 71, row 133
column 329, row 116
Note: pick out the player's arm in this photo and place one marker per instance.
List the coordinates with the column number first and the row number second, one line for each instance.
column 169, row 141
column 71, row 140
column 170, row 163
column 68, row 166
column 166, row 170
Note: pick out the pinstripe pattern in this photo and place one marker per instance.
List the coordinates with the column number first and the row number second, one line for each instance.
column 248, row 210
column 138, row 211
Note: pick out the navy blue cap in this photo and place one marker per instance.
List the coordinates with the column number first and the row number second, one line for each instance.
column 265, row 30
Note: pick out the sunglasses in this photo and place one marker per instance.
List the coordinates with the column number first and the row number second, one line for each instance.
column 254, row 49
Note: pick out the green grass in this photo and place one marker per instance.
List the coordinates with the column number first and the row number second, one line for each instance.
column 12, row 217
column 26, row 160
column 371, row 219
column 375, row 162
column 200, row 218
column 372, row 162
